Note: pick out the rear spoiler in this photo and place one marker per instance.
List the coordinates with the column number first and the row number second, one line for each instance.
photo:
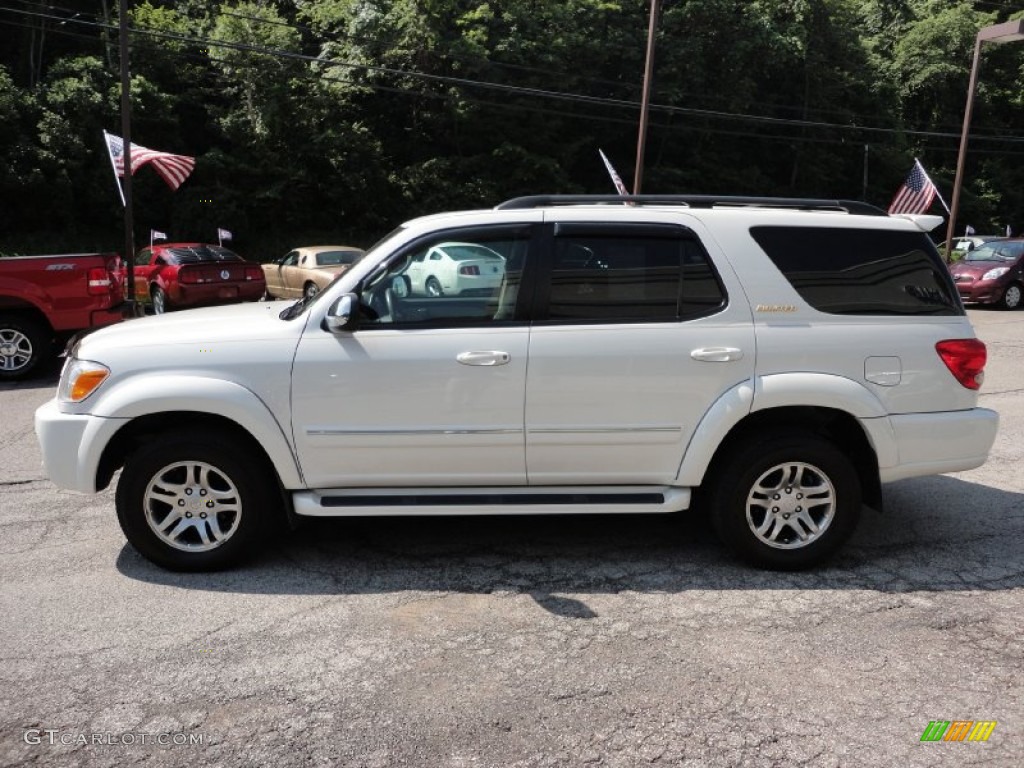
column 923, row 222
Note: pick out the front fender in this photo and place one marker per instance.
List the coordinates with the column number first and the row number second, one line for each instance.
column 154, row 393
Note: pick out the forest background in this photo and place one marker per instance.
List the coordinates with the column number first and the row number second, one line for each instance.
column 335, row 120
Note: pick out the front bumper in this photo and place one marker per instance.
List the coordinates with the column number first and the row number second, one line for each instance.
column 980, row 292
column 72, row 445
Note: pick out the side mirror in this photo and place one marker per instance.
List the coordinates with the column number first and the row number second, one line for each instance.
column 343, row 316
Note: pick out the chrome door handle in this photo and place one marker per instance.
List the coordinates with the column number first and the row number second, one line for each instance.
column 717, row 354
column 483, row 358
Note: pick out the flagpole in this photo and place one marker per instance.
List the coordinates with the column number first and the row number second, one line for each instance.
column 937, row 193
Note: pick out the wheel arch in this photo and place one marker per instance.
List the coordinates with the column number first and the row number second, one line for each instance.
column 136, row 431
column 154, row 401
column 841, row 411
column 21, row 307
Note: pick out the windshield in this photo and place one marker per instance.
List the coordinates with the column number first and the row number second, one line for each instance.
column 296, row 309
column 1005, row 251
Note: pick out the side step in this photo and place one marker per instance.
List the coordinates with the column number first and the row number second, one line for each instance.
column 588, row 500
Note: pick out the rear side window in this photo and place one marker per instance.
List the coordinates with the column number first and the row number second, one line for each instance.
column 630, row 274
column 862, row 271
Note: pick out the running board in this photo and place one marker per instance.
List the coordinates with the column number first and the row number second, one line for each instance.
column 588, row 500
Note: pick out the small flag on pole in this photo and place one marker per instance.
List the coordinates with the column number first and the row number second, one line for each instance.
column 916, row 194
column 156, row 235
column 173, row 169
column 616, row 179
column 222, row 235
column 968, row 230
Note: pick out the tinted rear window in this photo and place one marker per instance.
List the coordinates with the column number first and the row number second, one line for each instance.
column 862, row 271
column 200, row 253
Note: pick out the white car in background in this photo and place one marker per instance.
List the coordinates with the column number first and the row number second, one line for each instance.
column 456, row 269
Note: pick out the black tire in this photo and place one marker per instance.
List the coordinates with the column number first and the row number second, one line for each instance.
column 433, row 287
column 1012, row 297
column 160, row 303
column 309, row 290
column 24, row 344
column 195, row 486
column 786, row 478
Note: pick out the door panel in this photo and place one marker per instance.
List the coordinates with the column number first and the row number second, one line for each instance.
column 396, row 407
column 635, row 339
column 618, row 404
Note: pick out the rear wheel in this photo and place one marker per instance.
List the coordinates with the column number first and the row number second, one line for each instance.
column 160, row 302
column 310, row 290
column 433, row 287
column 194, row 503
column 24, row 344
column 1012, row 297
column 787, row 501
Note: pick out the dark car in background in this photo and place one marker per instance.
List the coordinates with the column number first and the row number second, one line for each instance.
column 181, row 275
column 992, row 274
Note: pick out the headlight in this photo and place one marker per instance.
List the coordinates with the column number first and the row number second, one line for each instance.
column 992, row 274
column 79, row 379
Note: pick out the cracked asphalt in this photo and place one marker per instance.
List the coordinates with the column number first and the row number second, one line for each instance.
column 605, row 641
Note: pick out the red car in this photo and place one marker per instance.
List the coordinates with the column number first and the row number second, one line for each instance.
column 992, row 273
column 181, row 275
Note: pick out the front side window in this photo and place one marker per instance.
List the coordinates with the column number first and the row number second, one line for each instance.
column 456, row 278
column 862, row 271
column 630, row 274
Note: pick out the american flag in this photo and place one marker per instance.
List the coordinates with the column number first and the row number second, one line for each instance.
column 616, row 179
column 173, row 169
column 916, row 194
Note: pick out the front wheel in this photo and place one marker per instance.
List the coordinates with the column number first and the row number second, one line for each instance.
column 194, row 503
column 786, row 502
column 310, row 290
column 1012, row 297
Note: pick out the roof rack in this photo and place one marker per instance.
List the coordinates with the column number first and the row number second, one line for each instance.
column 695, row 201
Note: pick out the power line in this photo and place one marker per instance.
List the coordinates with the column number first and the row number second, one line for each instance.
column 534, row 92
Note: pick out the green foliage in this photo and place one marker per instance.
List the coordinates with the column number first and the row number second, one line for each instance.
column 336, row 119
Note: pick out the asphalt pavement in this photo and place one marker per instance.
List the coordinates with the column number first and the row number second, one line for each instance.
column 604, row 641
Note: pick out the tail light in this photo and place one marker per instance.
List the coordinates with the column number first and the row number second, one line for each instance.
column 99, row 281
column 965, row 359
column 253, row 272
column 188, row 276
column 469, row 269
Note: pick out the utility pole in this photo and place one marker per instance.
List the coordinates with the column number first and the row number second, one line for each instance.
column 641, row 142
column 126, row 136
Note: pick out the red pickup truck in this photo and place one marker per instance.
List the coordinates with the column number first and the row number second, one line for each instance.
column 45, row 299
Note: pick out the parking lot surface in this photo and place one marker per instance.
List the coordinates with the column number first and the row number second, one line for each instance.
column 571, row 641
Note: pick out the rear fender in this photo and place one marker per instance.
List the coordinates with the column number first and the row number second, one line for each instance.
column 781, row 391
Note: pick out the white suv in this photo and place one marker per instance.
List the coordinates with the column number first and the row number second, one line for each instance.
column 773, row 360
